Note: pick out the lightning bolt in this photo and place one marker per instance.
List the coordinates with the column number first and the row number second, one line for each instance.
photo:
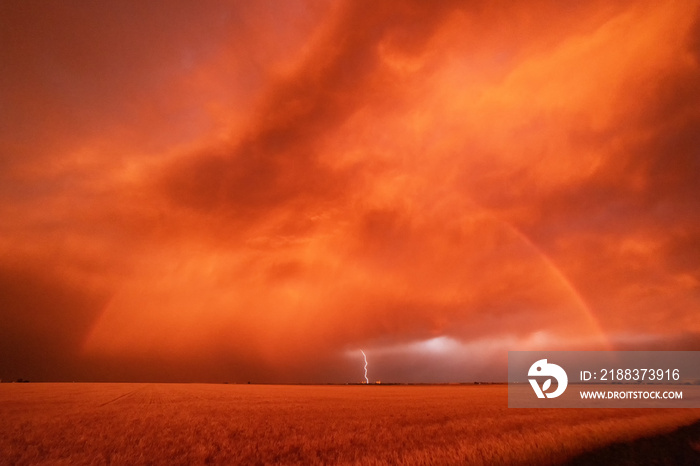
column 365, row 356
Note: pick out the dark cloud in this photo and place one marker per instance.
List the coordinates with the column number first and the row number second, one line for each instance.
column 684, row 341
column 278, row 160
column 45, row 319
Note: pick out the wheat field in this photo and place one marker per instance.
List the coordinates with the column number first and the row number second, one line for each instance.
column 278, row 424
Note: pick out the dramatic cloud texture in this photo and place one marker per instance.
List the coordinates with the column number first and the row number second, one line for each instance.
column 257, row 190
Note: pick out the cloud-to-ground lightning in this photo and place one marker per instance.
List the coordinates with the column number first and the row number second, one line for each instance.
column 365, row 356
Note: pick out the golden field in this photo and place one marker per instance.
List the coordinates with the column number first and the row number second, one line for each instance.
column 267, row 424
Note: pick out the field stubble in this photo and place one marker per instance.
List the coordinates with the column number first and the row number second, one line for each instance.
column 263, row 424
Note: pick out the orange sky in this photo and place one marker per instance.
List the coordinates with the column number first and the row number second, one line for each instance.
column 257, row 190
